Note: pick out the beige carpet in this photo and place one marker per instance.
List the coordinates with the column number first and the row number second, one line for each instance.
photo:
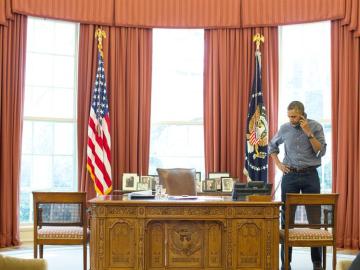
column 70, row 257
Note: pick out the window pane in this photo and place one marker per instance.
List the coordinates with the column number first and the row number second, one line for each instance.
column 42, row 172
column 65, row 39
column 26, row 171
column 63, row 103
column 38, row 101
column 178, row 57
column 25, row 204
column 49, row 152
column 63, row 172
column 64, row 139
column 167, row 140
column 64, row 71
column 27, row 137
column 43, row 138
column 39, row 69
column 177, row 136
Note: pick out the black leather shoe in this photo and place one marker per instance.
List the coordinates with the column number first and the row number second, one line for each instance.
column 317, row 266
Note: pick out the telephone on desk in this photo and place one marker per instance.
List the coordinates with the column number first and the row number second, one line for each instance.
column 242, row 190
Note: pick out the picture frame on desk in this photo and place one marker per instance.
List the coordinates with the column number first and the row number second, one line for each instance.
column 142, row 186
column 209, row 185
column 154, row 180
column 198, row 176
column 227, row 184
column 217, row 176
column 145, row 182
column 130, row 181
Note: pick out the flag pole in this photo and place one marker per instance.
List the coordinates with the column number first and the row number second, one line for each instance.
column 257, row 38
column 99, row 136
column 256, row 158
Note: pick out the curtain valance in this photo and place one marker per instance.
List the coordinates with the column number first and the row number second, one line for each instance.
column 352, row 16
column 2, row 12
column 257, row 13
column 5, row 11
column 178, row 13
column 83, row 11
column 208, row 14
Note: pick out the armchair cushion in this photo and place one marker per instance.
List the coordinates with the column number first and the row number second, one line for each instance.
column 61, row 232
column 307, row 234
column 343, row 265
column 12, row 263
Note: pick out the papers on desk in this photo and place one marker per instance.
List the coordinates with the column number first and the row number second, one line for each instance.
column 146, row 194
column 182, row 197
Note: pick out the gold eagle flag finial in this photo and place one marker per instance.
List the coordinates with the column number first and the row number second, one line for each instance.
column 258, row 38
column 100, row 34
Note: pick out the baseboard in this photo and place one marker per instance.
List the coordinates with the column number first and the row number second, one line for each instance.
column 26, row 234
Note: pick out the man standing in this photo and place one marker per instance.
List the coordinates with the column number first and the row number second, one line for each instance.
column 304, row 144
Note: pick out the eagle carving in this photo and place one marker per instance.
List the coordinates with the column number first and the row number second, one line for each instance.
column 185, row 239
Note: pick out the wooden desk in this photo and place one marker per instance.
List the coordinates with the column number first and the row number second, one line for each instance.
column 206, row 233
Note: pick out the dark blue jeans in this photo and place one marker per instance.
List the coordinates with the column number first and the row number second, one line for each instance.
column 306, row 182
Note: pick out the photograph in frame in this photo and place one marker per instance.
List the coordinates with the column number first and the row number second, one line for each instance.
column 227, row 184
column 145, row 182
column 210, row 185
column 154, row 180
column 217, row 176
column 198, row 176
column 130, row 181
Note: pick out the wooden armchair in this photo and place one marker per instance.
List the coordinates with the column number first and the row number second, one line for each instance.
column 320, row 231
column 60, row 219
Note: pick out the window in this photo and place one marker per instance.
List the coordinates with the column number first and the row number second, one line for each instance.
column 177, row 136
column 305, row 76
column 49, row 134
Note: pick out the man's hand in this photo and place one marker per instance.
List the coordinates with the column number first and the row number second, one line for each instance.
column 305, row 125
column 282, row 167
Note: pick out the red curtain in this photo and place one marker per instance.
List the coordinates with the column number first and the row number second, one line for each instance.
column 128, row 65
column 12, row 66
column 345, row 54
column 229, row 67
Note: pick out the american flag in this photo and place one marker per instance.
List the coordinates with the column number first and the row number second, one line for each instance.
column 98, row 148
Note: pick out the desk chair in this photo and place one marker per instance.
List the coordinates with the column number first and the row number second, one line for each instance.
column 60, row 219
column 319, row 233
column 178, row 181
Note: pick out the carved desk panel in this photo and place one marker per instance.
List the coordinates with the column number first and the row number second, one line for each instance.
column 207, row 233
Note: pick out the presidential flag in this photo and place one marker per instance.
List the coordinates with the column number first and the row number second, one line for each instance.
column 98, row 148
column 256, row 157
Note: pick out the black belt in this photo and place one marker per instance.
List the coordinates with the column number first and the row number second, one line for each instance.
column 302, row 170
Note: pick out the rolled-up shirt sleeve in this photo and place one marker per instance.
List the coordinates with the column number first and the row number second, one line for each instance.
column 275, row 142
column 320, row 136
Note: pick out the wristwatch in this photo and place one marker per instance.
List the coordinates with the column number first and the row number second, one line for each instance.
column 310, row 136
